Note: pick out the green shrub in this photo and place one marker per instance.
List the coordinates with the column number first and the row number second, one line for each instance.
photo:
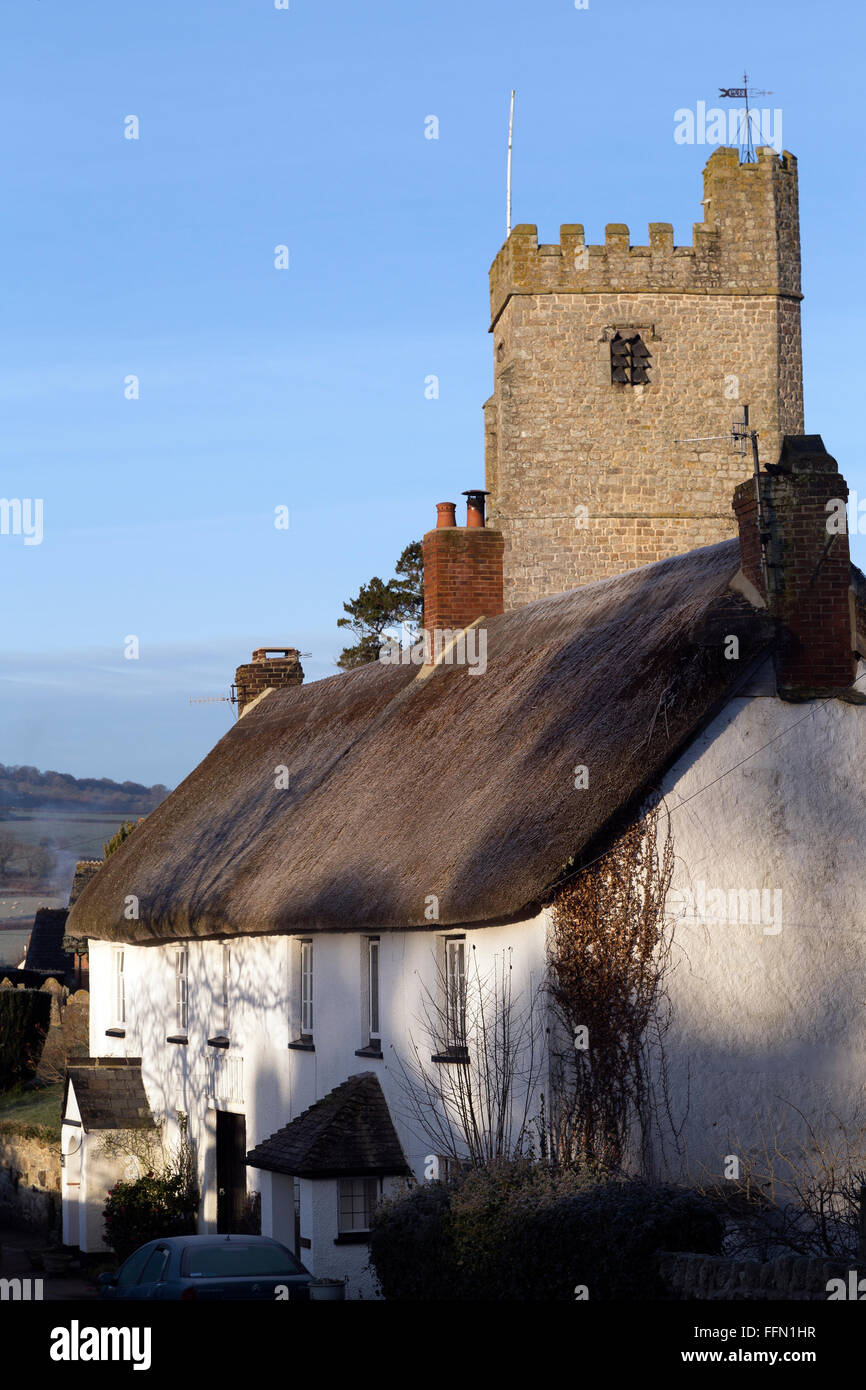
column 410, row 1244
column 146, row 1209
column 24, row 1018
column 523, row 1231
column 122, row 833
column 606, row 1238
column 490, row 1207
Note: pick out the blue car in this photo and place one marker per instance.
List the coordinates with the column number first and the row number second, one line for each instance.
column 209, row 1267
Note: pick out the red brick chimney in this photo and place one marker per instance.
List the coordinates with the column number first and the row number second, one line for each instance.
column 271, row 668
column 462, row 568
column 800, row 564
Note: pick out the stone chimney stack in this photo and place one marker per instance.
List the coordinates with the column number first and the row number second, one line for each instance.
column 800, row 565
column 462, row 568
column 271, row 668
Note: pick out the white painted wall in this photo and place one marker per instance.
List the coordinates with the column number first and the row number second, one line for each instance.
column 280, row 1082
column 87, row 1173
column 768, row 1019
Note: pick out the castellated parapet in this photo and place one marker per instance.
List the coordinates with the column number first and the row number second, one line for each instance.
column 590, row 476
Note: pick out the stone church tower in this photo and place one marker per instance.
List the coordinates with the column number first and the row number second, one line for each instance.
column 609, row 359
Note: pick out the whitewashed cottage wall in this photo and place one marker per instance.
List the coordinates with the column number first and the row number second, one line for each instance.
column 266, row 1080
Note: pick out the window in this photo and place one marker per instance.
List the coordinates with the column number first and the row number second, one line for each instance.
column 306, row 989
column 130, row 1270
column 444, row 1167
column 224, row 990
column 358, row 1197
column 119, row 987
column 181, row 988
column 629, row 359
column 234, row 1260
column 155, row 1267
column 455, row 990
column 372, row 991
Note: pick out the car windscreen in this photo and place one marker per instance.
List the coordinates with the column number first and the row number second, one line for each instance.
column 230, row 1260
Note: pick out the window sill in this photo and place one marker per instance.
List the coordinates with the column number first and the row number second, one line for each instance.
column 220, row 1041
column 370, row 1051
column 180, row 1038
column 353, row 1238
column 115, row 1032
column 452, row 1054
column 302, row 1045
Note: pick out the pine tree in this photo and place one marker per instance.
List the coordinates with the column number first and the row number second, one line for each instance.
column 381, row 605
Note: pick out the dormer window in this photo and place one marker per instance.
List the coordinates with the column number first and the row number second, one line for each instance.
column 629, row 359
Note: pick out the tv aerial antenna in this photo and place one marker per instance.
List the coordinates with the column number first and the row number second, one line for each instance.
column 741, row 435
column 231, row 699
column 747, row 147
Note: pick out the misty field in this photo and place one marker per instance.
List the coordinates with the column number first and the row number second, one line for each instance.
column 72, row 835
column 13, row 944
column 80, row 833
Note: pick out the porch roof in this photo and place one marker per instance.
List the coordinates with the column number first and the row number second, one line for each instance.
column 110, row 1093
column 348, row 1132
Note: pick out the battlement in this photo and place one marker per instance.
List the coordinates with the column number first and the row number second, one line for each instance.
column 748, row 243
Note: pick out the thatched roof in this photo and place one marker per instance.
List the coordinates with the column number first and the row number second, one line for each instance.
column 348, row 1131
column 459, row 785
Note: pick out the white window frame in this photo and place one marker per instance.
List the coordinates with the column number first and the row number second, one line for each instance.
column 305, row 988
column 373, row 990
column 455, row 990
column 119, row 986
column 225, row 988
column 369, row 1196
column 181, row 989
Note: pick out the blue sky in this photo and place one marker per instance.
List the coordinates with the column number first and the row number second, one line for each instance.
column 305, row 387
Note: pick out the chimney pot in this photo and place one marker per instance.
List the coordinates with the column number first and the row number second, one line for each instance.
column 446, row 514
column 475, row 506
column 462, row 570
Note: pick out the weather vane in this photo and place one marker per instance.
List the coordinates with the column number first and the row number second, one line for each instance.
column 747, row 148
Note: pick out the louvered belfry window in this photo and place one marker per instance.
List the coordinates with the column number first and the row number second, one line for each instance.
column 629, row 360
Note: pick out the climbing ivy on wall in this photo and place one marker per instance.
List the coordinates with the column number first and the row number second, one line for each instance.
column 608, row 955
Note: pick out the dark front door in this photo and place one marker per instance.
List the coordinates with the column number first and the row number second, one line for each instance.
column 231, row 1154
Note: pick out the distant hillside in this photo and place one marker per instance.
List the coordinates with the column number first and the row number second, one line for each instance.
column 26, row 788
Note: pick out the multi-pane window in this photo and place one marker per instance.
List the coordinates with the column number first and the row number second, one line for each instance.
column 181, row 988
column 305, row 972
column 629, row 359
column 455, row 990
column 119, row 1002
column 225, row 984
column 373, row 990
column 358, row 1197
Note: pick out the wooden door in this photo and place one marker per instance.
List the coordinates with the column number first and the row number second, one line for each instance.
column 231, row 1146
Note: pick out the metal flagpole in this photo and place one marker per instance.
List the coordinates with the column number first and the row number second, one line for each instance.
column 508, row 175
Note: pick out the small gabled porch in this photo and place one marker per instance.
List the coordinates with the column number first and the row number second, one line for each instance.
column 322, row 1175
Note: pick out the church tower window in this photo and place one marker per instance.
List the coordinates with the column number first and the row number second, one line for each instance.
column 629, row 360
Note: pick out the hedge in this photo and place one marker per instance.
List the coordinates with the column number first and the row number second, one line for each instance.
column 24, row 1018
column 520, row 1231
